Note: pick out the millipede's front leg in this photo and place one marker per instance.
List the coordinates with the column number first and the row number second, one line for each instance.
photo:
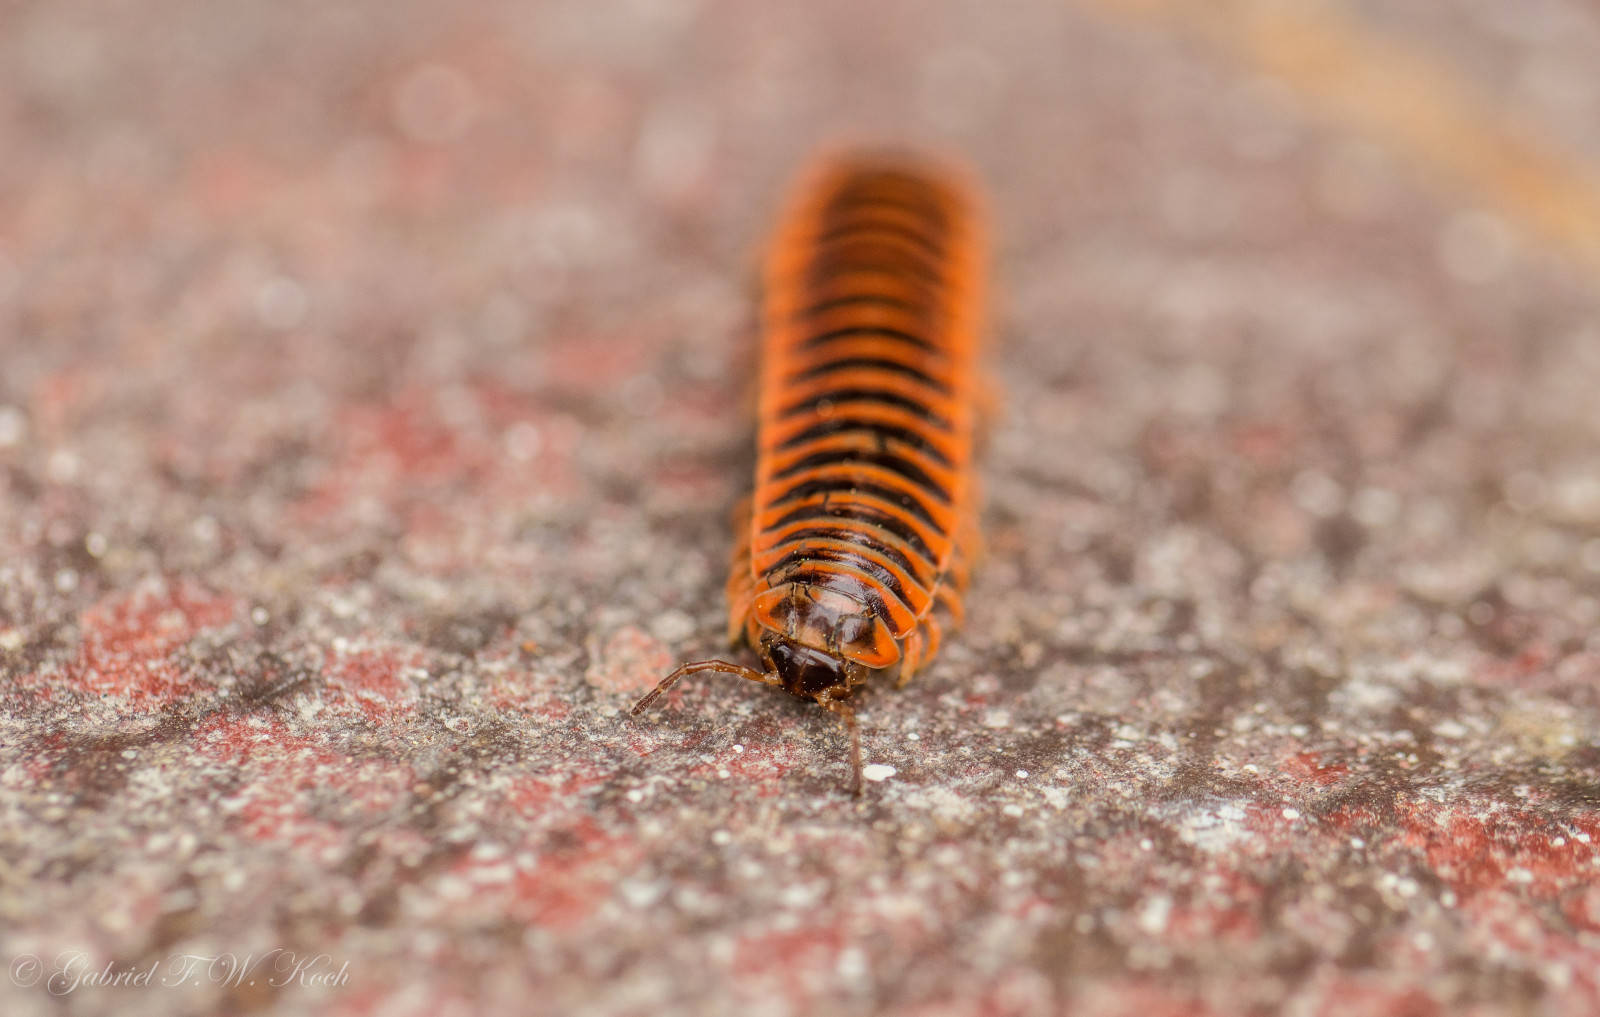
column 847, row 713
column 723, row 666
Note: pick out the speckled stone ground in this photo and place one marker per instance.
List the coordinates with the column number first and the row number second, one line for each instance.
column 375, row 386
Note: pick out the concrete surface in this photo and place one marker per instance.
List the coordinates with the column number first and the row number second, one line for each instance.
column 375, row 385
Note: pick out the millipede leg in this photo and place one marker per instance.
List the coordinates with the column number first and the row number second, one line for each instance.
column 933, row 634
column 911, row 654
column 847, row 713
column 919, row 646
column 723, row 666
column 740, row 589
column 950, row 599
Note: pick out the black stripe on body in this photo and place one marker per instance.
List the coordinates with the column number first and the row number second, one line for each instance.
column 867, row 538
column 890, row 250
column 870, row 331
column 876, row 299
column 875, row 364
column 847, row 485
column 826, row 264
column 876, row 331
column 880, row 431
column 931, row 292
column 865, row 515
column 837, row 396
column 867, row 224
column 844, row 458
column 850, row 200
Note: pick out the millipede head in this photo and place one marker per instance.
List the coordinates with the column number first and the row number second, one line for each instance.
column 806, row 671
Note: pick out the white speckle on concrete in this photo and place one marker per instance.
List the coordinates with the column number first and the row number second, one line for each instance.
column 1316, row 493
column 62, row 466
column 638, row 894
column 852, row 964
column 522, row 441
column 13, row 426
column 281, row 303
column 205, row 529
column 1214, row 830
column 672, row 626
column 1153, row 916
column 802, row 896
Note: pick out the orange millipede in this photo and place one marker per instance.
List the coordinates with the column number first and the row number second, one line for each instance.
column 857, row 535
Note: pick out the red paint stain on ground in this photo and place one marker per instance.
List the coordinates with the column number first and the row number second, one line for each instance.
column 1503, row 848
column 590, row 362
column 761, row 768
column 503, row 445
column 562, row 869
column 537, row 797
column 1308, row 767
column 1582, row 908
column 798, row 959
column 1226, row 907
column 370, row 681
column 279, row 779
column 1123, row 999
column 1507, row 925
column 129, row 642
column 576, row 872
column 1351, row 997
column 1266, row 445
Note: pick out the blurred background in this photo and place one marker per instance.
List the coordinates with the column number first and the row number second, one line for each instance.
column 375, row 382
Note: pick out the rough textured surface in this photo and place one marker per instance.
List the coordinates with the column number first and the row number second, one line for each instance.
column 375, row 385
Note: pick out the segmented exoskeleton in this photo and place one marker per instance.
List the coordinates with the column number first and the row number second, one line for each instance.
column 863, row 516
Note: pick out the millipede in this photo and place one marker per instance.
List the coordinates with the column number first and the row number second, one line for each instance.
column 852, row 551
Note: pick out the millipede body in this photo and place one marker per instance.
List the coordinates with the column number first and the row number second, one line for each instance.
column 852, row 549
